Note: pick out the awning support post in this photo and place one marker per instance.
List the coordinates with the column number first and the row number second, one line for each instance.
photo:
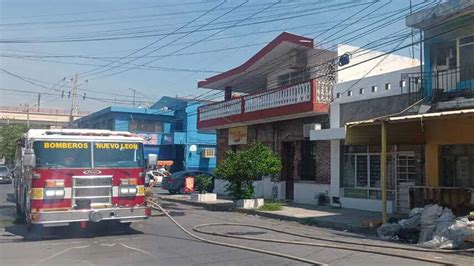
column 383, row 171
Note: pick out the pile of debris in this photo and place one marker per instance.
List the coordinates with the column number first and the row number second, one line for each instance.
column 432, row 226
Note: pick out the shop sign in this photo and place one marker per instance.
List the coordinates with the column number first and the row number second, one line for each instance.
column 237, row 135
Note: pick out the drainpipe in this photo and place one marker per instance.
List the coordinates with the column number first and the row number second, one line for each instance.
column 383, row 171
column 228, row 93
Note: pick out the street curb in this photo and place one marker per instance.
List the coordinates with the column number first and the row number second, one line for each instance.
column 311, row 221
column 220, row 206
column 305, row 221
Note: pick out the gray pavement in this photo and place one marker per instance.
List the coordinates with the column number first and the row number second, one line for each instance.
column 158, row 242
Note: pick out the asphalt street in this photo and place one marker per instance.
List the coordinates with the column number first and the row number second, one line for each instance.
column 157, row 241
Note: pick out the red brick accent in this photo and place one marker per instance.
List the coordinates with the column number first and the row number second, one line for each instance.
column 323, row 162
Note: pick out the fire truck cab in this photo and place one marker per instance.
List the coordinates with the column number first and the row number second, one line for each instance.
column 80, row 175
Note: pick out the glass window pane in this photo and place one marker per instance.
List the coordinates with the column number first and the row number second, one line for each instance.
column 361, row 161
column 62, row 154
column 375, row 171
column 115, row 154
column 349, row 171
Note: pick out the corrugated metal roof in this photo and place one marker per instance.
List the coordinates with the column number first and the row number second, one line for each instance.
column 412, row 117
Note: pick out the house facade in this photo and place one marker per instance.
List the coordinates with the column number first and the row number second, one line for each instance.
column 363, row 92
column 169, row 129
column 276, row 97
column 417, row 148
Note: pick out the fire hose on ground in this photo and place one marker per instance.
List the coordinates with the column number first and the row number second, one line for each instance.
column 199, row 229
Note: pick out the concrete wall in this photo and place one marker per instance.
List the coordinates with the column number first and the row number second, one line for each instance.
column 262, row 188
column 365, row 204
column 372, row 108
column 381, row 65
column 307, row 192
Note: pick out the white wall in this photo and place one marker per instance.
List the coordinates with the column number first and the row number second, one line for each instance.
column 262, row 189
column 307, row 193
column 383, row 64
column 365, row 204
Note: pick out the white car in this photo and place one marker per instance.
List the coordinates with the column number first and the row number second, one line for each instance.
column 153, row 175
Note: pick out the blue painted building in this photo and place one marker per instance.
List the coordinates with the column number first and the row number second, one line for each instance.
column 448, row 50
column 169, row 128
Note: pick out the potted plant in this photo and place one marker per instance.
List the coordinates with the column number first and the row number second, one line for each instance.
column 203, row 185
column 240, row 169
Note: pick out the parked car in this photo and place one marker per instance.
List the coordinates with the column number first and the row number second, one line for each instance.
column 175, row 183
column 5, row 175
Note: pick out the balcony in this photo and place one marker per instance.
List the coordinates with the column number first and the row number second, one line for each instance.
column 296, row 101
column 440, row 86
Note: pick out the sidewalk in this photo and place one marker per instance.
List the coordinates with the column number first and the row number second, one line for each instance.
column 341, row 219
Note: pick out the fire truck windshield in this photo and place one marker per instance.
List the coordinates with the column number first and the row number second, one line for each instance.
column 62, row 154
column 118, row 154
column 75, row 154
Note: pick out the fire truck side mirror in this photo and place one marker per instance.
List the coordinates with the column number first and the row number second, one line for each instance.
column 152, row 159
column 29, row 158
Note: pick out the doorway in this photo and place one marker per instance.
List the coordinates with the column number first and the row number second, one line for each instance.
column 288, row 159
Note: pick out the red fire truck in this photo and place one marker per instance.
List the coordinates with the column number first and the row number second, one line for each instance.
column 80, row 175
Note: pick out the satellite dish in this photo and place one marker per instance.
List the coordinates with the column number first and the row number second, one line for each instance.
column 193, row 148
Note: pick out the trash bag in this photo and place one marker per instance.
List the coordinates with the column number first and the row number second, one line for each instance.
column 426, row 233
column 415, row 211
column 453, row 236
column 412, row 222
column 388, row 231
column 409, row 235
column 430, row 214
column 443, row 222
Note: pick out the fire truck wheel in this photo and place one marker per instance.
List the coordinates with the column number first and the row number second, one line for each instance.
column 172, row 191
column 34, row 232
column 19, row 213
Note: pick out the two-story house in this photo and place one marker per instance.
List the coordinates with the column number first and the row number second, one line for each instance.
column 439, row 119
column 276, row 97
column 169, row 129
column 367, row 91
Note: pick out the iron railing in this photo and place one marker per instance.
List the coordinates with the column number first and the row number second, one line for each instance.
column 441, row 85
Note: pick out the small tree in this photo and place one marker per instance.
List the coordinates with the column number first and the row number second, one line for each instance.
column 203, row 183
column 241, row 168
column 8, row 136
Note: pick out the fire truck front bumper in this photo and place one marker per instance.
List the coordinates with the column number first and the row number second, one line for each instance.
column 60, row 218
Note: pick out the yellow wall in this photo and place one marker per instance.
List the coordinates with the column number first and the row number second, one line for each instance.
column 444, row 132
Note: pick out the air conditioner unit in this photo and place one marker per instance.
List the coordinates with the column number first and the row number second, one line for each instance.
column 298, row 60
column 308, row 127
column 208, row 153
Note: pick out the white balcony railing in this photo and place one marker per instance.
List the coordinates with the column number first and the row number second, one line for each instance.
column 276, row 98
column 221, row 109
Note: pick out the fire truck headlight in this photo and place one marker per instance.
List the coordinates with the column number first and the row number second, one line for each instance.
column 55, row 193
column 128, row 191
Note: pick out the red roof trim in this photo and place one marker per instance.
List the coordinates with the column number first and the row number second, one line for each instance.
column 283, row 37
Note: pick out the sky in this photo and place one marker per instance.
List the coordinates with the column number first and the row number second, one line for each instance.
column 163, row 48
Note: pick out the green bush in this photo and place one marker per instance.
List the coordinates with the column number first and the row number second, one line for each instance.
column 271, row 206
column 203, row 183
column 241, row 168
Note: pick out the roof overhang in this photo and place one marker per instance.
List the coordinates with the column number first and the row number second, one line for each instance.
column 253, row 69
column 400, row 129
column 435, row 15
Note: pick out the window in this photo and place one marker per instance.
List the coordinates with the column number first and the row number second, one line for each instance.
column 374, row 88
column 361, row 91
column 349, row 93
column 138, row 125
column 457, row 165
column 361, row 172
column 309, row 161
column 293, row 77
column 388, row 86
column 338, row 95
column 466, row 57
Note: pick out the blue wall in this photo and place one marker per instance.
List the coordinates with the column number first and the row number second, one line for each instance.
column 179, row 132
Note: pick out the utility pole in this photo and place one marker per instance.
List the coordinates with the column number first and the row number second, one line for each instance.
column 412, row 36
column 39, row 101
column 73, row 101
column 134, row 91
column 28, row 115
